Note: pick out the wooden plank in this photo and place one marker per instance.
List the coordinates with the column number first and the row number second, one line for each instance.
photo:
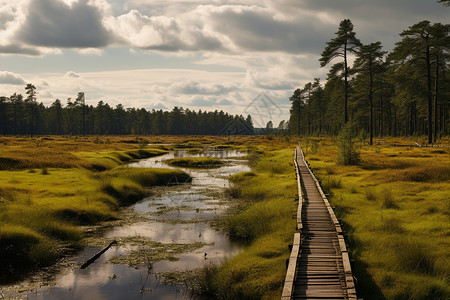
column 342, row 247
column 320, row 272
column 288, row 287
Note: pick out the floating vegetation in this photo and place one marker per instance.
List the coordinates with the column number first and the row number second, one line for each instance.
column 152, row 251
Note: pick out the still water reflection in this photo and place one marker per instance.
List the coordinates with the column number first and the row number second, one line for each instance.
column 194, row 205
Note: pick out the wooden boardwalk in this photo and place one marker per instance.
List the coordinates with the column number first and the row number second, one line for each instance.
column 319, row 266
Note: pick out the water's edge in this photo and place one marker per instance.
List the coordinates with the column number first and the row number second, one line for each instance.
column 171, row 233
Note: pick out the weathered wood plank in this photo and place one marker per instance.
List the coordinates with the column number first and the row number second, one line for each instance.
column 322, row 269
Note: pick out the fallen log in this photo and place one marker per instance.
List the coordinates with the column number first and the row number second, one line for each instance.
column 94, row 258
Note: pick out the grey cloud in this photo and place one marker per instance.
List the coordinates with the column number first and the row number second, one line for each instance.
column 201, row 101
column 46, row 94
column 367, row 7
column 381, row 20
column 11, row 78
column 72, row 74
column 17, row 49
column 225, row 102
column 291, row 26
column 195, row 88
column 258, row 30
column 52, row 23
column 175, row 44
column 280, row 85
column 5, row 17
column 164, row 33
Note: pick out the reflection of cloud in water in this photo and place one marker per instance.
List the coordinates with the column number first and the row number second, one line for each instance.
column 96, row 282
column 169, row 233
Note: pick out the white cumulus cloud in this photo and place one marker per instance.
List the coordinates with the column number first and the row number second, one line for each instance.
column 11, row 78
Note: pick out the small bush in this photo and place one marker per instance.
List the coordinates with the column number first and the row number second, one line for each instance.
column 347, row 153
column 388, row 200
column 313, row 147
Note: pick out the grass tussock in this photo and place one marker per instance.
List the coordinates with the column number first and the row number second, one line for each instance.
column 196, row 162
column 414, row 256
column 330, row 183
column 388, row 199
column 370, row 194
column 20, row 248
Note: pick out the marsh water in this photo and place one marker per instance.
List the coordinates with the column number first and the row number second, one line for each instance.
column 172, row 215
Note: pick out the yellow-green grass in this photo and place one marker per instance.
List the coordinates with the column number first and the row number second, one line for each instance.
column 49, row 208
column 57, row 152
column 49, row 186
column 264, row 223
column 104, row 160
column 41, row 209
column 396, row 206
column 195, row 162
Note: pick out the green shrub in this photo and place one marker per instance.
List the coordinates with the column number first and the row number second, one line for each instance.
column 347, row 153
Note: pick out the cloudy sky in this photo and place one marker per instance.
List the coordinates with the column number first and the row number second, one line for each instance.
column 216, row 54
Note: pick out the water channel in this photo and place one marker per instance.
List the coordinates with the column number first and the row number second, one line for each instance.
column 172, row 215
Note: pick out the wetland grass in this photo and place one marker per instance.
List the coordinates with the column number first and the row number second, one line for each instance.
column 263, row 223
column 395, row 206
column 41, row 212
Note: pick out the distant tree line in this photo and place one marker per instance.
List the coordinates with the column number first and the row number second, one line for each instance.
column 23, row 115
column 402, row 93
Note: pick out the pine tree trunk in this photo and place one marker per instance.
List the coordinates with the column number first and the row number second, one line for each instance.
column 346, row 85
column 436, row 85
column 429, row 98
column 371, row 106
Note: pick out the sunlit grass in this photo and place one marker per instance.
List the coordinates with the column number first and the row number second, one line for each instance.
column 396, row 207
column 53, row 189
column 264, row 223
